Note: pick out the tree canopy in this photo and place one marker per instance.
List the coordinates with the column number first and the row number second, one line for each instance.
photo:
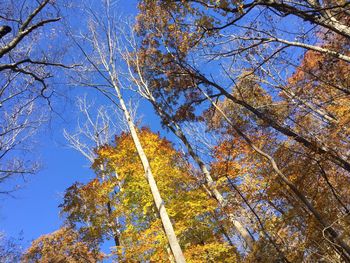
column 252, row 160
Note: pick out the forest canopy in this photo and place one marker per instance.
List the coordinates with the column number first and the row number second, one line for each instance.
column 218, row 131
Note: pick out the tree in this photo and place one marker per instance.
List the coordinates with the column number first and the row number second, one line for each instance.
column 136, row 76
column 25, row 69
column 63, row 245
column 334, row 234
column 182, row 44
column 91, row 203
column 141, row 236
column 200, row 53
column 104, row 40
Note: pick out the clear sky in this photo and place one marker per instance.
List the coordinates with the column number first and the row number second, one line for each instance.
column 34, row 209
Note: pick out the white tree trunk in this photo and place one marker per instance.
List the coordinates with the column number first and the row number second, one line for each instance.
column 168, row 227
column 242, row 231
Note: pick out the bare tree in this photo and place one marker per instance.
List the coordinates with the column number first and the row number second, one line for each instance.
column 97, row 127
column 107, row 63
column 10, row 251
column 26, row 66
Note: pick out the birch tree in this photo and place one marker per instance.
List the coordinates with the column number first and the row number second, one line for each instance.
column 105, row 61
column 95, row 128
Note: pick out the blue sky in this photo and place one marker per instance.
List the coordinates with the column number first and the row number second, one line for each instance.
column 34, row 209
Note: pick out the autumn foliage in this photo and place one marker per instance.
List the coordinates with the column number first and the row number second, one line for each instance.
column 261, row 120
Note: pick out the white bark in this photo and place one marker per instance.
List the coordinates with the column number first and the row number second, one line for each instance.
column 242, row 231
column 144, row 91
column 107, row 59
column 342, row 247
column 168, row 227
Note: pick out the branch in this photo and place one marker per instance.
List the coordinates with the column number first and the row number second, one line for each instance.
column 263, row 40
column 4, row 30
column 44, row 63
column 22, row 34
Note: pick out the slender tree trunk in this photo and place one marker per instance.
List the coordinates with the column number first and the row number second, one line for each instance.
column 115, row 235
column 168, row 227
column 109, row 211
column 242, row 231
column 340, row 245
column 334, row 157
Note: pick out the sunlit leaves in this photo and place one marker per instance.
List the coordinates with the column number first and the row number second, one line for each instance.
column 63, row 245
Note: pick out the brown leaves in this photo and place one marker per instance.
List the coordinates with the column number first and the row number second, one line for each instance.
column 63, row 245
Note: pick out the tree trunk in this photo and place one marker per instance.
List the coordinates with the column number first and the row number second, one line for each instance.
column 339, row 244
column 334, row 157
column 168, row 227
column 209, row 180
column 115, row 235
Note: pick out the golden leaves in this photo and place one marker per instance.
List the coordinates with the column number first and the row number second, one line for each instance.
column 63, row 245
column 187, row 204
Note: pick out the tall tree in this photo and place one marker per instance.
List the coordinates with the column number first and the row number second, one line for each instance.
column 26, row 64
column 136, row 76
column 103, row 37
column 141, row 235
column 196, row 52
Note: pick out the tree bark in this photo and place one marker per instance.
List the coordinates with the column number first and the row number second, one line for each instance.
column 243, row 232
column 337, row 159
column 340, row 245
column 167, row 225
